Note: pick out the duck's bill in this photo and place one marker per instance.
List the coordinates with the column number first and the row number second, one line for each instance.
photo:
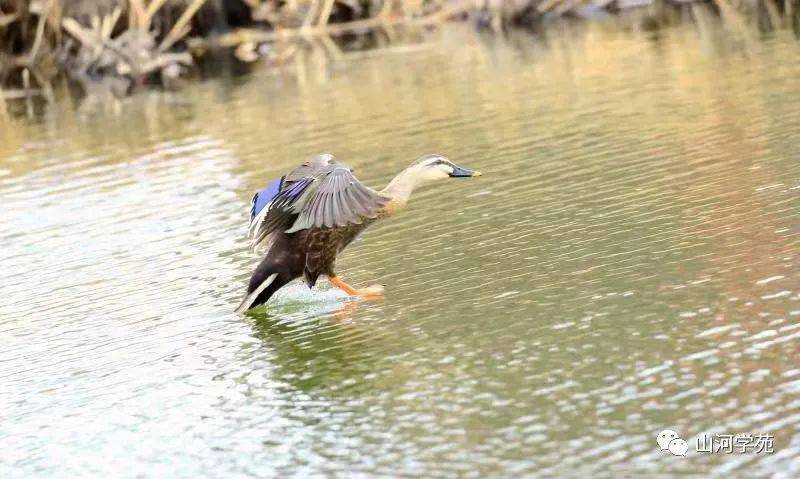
column 459, row 172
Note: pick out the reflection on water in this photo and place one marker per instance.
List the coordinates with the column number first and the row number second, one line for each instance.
column 627, row 263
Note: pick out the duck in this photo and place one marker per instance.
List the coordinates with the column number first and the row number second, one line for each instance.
column 303, row 220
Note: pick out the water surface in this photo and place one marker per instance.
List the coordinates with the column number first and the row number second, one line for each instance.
column 627, row 263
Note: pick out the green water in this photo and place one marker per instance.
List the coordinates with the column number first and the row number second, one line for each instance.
column 628, row 263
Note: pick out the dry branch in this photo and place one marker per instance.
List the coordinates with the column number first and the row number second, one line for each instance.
column 6, row 20
column 137, row 15
column 181, row 27
column 3, row 107
column 37, row 42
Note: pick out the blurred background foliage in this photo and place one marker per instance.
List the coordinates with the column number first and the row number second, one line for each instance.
column 113, row 47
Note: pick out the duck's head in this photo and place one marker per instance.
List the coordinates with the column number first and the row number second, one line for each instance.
column 437, row 167
column 426, row 169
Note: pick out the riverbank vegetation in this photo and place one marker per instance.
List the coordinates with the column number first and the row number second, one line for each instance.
column 113, row 47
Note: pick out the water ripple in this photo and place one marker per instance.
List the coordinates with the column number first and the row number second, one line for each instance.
column 628, row 263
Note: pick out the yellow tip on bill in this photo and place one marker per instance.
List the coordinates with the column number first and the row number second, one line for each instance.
column 476, row 173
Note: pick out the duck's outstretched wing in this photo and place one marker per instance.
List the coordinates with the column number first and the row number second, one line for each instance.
column 332, row 196
column 335, row 198
column 259, row 206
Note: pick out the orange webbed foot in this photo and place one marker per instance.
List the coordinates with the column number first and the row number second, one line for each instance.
column 371, row 292
column 374, row 291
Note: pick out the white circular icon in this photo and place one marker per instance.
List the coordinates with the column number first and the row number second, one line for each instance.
column 664, row 438
column 678, row 447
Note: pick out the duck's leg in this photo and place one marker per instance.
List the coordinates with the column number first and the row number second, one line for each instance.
column 370, row 292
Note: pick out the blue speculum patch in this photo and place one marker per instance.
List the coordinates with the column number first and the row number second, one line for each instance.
column 263, row 197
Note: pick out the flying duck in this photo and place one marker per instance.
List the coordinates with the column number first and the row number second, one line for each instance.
column 304, row 219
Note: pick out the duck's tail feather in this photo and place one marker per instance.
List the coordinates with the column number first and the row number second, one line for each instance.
column 259, row 293
column 249, row 301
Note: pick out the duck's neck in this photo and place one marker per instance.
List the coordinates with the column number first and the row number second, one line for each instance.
column 399, row 190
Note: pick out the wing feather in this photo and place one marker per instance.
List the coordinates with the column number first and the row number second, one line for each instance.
column 290, row 197
column 321, row 194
